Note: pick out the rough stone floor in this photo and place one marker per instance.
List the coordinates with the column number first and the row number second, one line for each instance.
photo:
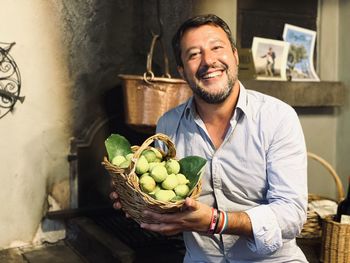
column 59, row 252
column 88, row 242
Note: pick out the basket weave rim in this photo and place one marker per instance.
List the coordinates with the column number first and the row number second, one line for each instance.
column 155, row 79
column 312, row 226
column 332, row 172
column 171, row 153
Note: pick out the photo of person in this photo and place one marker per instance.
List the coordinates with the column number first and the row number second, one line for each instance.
column 300, row 65
column 270, row 58
column 270, row 62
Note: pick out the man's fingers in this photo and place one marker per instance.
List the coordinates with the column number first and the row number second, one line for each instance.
column 113, row 196
column 161, row 218
column 164, row 229
column 117, row 205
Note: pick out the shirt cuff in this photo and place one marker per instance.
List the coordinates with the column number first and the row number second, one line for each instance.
column 266, row 231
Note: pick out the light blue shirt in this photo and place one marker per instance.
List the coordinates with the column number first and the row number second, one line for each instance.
column 260, row 168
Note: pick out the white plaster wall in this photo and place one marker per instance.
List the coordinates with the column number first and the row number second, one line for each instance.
column 34, row 139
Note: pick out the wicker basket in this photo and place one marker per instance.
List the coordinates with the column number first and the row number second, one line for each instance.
column 313, row 226
column 147, row 97
column 335, row 242
column 125, row 183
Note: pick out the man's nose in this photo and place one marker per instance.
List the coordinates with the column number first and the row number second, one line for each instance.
column 208, row 58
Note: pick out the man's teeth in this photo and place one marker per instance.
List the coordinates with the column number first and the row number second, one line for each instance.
column 212, row 75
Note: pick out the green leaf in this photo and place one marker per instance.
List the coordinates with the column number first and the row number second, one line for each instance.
column 117, row 145
column 192, row 167
column 177, row 198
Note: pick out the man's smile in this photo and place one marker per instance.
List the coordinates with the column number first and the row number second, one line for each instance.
column 210, row 75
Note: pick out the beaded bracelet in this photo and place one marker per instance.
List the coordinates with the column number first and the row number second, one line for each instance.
column 213, row 221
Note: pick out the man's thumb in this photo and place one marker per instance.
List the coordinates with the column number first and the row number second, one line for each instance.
column 191, row 204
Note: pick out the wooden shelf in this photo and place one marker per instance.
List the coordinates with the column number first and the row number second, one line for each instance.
column 302, row 94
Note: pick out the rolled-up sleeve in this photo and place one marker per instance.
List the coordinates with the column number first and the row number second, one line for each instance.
column 267, row 234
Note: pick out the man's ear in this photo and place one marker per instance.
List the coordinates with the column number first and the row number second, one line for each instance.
column 180, row 69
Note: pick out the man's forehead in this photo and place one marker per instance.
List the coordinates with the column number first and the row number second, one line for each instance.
column 209, row 31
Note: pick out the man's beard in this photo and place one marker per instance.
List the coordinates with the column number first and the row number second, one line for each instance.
column 217, row 97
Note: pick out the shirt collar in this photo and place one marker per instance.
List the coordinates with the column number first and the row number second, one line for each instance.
column 190, row 108
column 242, row 102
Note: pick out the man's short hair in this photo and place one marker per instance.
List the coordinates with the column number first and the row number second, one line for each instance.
column 194, row 22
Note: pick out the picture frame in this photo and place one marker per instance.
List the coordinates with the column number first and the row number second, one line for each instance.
column 270, row 58
column 300, row 66
column 246, row 68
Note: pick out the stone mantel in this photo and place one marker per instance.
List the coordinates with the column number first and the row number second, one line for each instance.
column 302, row 94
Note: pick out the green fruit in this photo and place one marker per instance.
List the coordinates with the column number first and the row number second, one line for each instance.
column 182, row 179
column 155, row 190
column 152, row 164
column 147, row 183
column 125, row 164
column 159, row 173
column 158, row 154
column 172, row 166
column 182, row 190
column 177, row 198
column 142, row 165
column 170, row 182
column 164, row 195
column 145, row 174
column 150, row 155
column 129, row 156
column 117, row 160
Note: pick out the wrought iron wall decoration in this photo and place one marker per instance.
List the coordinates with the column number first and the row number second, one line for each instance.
column 10, row 80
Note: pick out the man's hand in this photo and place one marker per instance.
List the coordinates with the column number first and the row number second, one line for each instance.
column 194, row 216
column 115, row 199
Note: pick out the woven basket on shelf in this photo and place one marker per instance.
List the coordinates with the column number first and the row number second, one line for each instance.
column 146, row 97
column 335, row 241
column 125, row 183
column 313, row 226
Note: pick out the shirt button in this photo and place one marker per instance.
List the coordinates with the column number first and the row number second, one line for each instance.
column 229, row 255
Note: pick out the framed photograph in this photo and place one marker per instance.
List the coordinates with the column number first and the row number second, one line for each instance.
column 270, row 58
column 300, row 66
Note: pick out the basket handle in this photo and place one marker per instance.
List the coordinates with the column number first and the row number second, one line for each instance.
column 330, row 169
column 149, row 75
column 171, row 153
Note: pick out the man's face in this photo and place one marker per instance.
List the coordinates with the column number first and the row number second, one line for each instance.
column 209, row 63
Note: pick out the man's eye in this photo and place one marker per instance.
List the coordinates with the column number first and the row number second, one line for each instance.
column 194, row 55
column 217, row 47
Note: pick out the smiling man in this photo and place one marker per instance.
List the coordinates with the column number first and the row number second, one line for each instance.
column 254, row 189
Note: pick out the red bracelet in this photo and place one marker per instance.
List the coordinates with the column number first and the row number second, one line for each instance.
column 213, row 221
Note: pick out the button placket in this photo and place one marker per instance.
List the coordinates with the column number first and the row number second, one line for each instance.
column 215, row 174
